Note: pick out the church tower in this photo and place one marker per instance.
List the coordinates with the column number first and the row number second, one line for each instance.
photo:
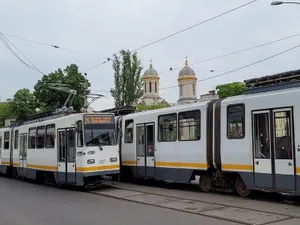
column 187, row 82
column 151, row 86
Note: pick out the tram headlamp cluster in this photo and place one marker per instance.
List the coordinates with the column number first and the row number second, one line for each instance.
column 90, row 161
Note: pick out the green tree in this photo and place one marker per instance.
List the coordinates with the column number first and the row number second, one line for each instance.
column 23, row 104
column 70, row 77
column 230, row 89
column 128, row 82
column 5, row 112
column 143, row 107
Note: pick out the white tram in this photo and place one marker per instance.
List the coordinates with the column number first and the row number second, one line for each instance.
column 76, row 149
column 247, row 142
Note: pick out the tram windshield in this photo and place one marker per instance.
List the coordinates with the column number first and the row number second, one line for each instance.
column 96, row 137
column 99, row 130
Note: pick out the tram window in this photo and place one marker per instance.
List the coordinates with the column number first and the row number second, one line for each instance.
column 50, row 136
column 0, row 142
column 16, row 139
column 32, row 137
column 167, row 128
column 236, row 121
column 40, row 141
column 72, row 150
column 283, row 142
column 6, row 140
column 262, row 135
column 128, row 131
column 189, row 125
column 71, row 138
column 79, row 134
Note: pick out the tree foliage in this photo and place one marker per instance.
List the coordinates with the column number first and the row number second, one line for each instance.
column 23, row 104
column 230, row 89
column 5, row 112
column 128, row 82
column 52, row 99
column 143, row 107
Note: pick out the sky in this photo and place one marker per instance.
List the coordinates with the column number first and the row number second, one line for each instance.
column 102, row 28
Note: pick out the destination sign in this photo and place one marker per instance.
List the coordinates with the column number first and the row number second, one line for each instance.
column 98, row 119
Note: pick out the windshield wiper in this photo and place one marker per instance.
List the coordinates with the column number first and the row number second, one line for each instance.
column 100, row 146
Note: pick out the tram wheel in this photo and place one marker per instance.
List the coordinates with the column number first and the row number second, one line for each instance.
column 205, row 183
column 241, row 188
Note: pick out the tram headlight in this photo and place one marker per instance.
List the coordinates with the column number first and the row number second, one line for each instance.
column 90, row 161
column 114, row 159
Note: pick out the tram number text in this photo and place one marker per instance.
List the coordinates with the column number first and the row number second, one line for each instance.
column 97, row 119
column 102, row 161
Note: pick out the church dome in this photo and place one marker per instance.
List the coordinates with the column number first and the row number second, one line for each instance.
column 150, row 71
column 186, row 70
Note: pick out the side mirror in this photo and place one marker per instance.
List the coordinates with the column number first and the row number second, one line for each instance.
column 76, row 126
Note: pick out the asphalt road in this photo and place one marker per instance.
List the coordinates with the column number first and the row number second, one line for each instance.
column 23, row 203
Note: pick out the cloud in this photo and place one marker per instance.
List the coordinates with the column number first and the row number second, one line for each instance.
column 104, row 27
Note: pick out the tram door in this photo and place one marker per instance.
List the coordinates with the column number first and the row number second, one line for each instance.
column 284, row 149
column 23, row 155
column 145, row 166
column 66, row 156
column 263, row 174
column 274, row 149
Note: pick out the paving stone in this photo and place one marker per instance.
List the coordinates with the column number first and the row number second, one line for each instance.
column 287, row 222
column 150, row 199
column 117, row 192
column 246, row 216
column 191, row 206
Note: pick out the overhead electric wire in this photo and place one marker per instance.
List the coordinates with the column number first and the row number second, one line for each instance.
column 5, row 40
column 24, row 56
column 12, row 52
column 235, row 52
column 54, row 46
column 228, row 54
column 239, row 68
column 178, row 32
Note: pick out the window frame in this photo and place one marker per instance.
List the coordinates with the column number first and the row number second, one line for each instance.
column 243, row 121
column 79, row 124
column 4, row 141
column 29, row 138
column 37, row 136
column 125, row 133
column 49, row 134
column 158, row 127
column 190, row 111
column 16, row 141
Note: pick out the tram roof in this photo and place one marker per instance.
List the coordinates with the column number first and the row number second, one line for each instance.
column 169, row 109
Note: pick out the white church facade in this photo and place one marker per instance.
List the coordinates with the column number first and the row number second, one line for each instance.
column 187, row 86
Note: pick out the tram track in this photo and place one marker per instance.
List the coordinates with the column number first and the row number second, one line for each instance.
column 135, row 192
column 194, row 188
